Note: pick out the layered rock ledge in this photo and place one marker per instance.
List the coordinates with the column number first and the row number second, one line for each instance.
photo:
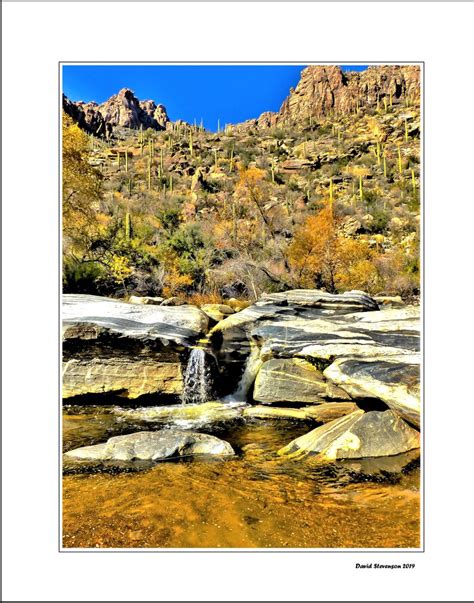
column 116, row 347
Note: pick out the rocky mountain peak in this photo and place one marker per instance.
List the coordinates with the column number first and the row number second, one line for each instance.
column 123, row 109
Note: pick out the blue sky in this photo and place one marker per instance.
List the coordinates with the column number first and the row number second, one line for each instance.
column 229, row 93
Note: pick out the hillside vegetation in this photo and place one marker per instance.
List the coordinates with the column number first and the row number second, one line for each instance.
column 329, row 201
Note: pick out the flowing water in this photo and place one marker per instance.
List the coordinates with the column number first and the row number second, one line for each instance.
column 254, row 499
column 197, row 378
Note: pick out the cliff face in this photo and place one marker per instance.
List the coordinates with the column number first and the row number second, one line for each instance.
column 88, row 117
column 325, row 89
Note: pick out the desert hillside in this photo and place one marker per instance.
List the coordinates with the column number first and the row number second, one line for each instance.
column 323, row 194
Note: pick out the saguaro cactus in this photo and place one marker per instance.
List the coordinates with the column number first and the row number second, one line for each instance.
column 399, row 160
column 361, row 189
column 149, row 173
column 191, row 144
column 406, row 130
column 231, row 166
column 127, row 226
column 384, row 166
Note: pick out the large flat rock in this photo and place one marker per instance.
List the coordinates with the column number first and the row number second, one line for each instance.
column 357, row 435
column 383, row 332
column 153, row 446
column 88, row 316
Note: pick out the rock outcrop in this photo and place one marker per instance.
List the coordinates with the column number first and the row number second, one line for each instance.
column 122, row 109
column 357, row 435
column 88, row 117
column 325, row 89
column 125, row 110
column 126, row 349
column 231, row 337
column 153, row 446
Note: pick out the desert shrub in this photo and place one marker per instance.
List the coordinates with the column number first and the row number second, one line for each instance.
column 81, row 277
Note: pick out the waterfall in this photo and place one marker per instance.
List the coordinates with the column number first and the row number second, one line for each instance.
column 252, row 367
column 197, row 381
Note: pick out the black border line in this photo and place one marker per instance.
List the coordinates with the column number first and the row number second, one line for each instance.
column 360, row 551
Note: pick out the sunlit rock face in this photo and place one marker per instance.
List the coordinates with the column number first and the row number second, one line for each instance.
column 357, row 435
column 395, row 380
column 293, row 380
column 125, row 110
column 153, row 446
column 126, row 349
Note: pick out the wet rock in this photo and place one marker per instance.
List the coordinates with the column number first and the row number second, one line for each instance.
column 329, row 411
column 209, row 412
column 265, row 412
column 293, row 380
column 393, row 379
column 154, row 446
column 357, row 435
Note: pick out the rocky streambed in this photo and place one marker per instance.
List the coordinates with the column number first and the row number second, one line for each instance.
column 333, row 378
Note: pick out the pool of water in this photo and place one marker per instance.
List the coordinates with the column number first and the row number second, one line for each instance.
column 252, row 500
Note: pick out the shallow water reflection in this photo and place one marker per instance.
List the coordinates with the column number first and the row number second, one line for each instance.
column 252, row 500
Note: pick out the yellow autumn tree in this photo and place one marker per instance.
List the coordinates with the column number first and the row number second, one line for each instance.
column 320, row 257
column 81, row 185
column 312, row 253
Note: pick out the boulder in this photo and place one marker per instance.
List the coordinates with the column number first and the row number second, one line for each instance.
column 293, row 380
column 393, row 379
column 146, row 300
column 357, row 435
column 153, row 446
column 217, row 312
column 173, row 301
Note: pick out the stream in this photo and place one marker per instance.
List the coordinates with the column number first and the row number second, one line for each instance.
column 251, row 500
